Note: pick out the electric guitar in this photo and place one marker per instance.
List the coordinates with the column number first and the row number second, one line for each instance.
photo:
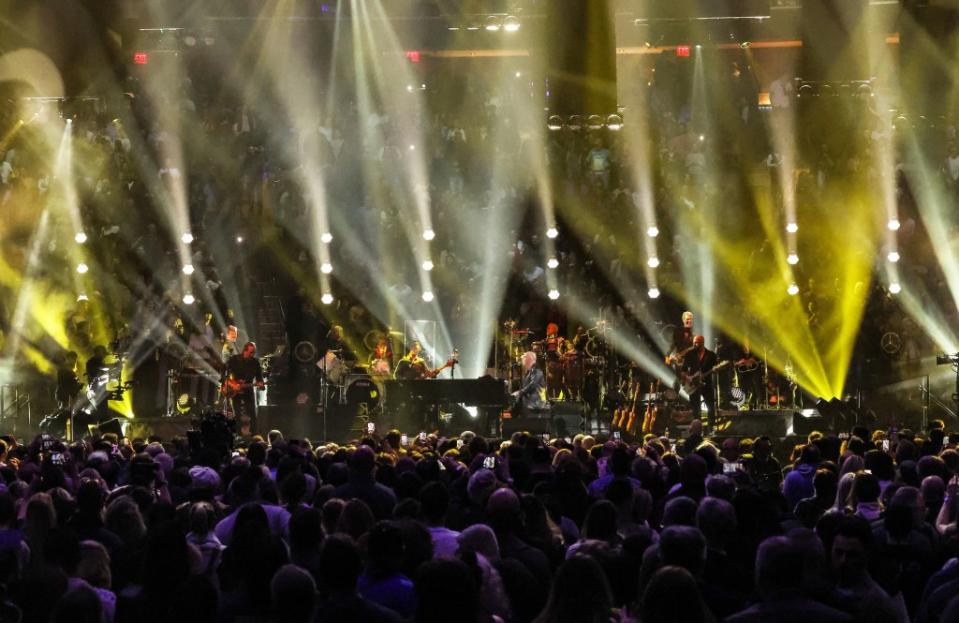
column 675, row 359
column 652, row 410
column 233, row 387
column 692, row 382
column 417, row 370
column 631, row 419
column 620, row 414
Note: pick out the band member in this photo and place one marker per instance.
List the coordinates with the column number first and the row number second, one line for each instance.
column 697, row 366
column 96, row 364
column 382, row 360
column 553, row 346
column 230, row 346
column 682, row 340
column 68, row 385
column 578, row 343
column 336, row 344
column 97, row 377
column 532, row 392
column 243, row 375
column 411, row 367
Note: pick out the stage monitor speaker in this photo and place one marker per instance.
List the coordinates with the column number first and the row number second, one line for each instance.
column 803, row 425
column 166, row 428
column 111, row 426
column 568, row 419
column 532, row 424
column 836, row 38
column 581, row 57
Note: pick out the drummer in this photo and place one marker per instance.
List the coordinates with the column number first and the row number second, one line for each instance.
column 334, row 343
column 381, row 363
column 579, row 340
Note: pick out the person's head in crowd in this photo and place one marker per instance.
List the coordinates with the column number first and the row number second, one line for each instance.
column 880, row 464
column 384, row 549
column 274, row 436
column 362, row 462
column 672, row 596
column 779, row 564
column 94, row 565
column 479, row 538
column 843, row 491
column 79, row 605
column 580, row 592
column 480, row 486
column 601, row 522
column 679, row 511
column 444, row 587
column 850, row 551
column 716, row 519
column 332, row 510
column 720, row 486
column 202, row 519
column 293, row 594
column 684, row 546
column 340, row 565
column 865, row 489
column 124, row 519
column 762, row 448
column 356, row 519
column 503, row 511
column 306, row 530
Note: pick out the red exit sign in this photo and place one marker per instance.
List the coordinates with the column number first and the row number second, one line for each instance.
column 682, row 51
column 140, row 58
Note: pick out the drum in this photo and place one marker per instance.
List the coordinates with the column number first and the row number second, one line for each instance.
column 361, row 389
column 575, row 370
column 333, row 366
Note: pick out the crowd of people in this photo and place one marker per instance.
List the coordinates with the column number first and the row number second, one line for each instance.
column 849, row 527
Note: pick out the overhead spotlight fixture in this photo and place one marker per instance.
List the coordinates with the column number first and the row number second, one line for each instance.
column 493, row 23
column 472, row 28
column 552, row 232
column 893, row 224
column 239, row 239
column 792, row 228
column 653, row 293
column 188, row 299
column 209, row 40
column 652, row 232
column 614, row 123
column 69, row 121
column 453, row 28
column 187, row 238
column 744, row 45
column 553, row 294
column 554, row 123
column 326, row 268
column 511, row 24
column 519, row 74
column 326, row 238
column 427, row 265
column 326, row 299
column 82, row 268
column 653, row 262
column 792, row 259
column 189, row 40
column 793, row 289
column 83, row 297
column 895, row 288
column 80, row 238
column 575, row 123
column 594, row 122
column 409, row 88
column 187, row 269
column 702, row 137
column 427, row 297
column 893, row 256
column 552, row 263
column 412, row 147
column 428, row 234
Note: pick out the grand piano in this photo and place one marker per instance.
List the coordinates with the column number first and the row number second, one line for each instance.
column 482, row 392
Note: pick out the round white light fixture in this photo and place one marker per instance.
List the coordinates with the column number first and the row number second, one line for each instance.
column 326, row 238
column 82, row 268
column 792, row 228
column 653, row 293
column 653, row 262
column 553, row 294
column 427, row 265
column 188, row 269
column 793, row 289
column 895, row 288
column 188, row 299
column 792, row 259
column 326, row 268
column 552, row 263
column 614, row 123
column 186, row 238
column 893, row 256
column 652, row 232
column 552, row 232
column 429, row 234
column 80, row 238
column 893, row 224
column 326, row 299
column 511, row 24
column 428, row 297
column 554, row 123
column 239, row 239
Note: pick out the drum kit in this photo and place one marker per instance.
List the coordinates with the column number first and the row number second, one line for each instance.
column 575, row 369
column 347, row 383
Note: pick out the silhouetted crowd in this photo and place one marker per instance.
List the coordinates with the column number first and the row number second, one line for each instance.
column 858, row 526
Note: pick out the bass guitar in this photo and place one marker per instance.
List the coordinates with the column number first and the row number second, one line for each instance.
column 652, row 409
column 631, row 420
column 233, row 387
column 693, row 382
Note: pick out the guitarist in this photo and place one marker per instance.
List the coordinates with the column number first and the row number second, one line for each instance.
column 701, row 361
column 682, row 341
column 243, row 374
